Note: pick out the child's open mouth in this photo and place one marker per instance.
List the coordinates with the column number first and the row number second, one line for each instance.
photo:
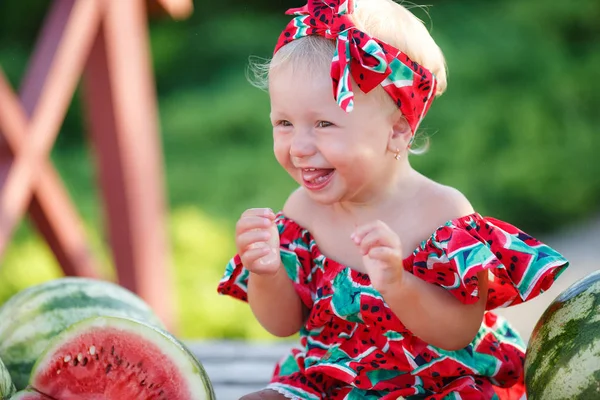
column 316, row 178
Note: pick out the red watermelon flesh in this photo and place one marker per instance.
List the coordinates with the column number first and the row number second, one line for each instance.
column 117, row 358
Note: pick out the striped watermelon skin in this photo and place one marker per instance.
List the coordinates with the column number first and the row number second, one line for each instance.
column 563, row 355
column 35, row 315
column 7, row 388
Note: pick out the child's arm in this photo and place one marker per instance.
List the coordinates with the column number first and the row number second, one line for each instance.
column 427, row 310
column 275, row 303
column 433, row 314
column 271, row 295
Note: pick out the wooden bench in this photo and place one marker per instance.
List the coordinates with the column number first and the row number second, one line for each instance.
column 236, row 368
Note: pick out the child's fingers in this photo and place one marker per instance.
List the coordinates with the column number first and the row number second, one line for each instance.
column 378, row 227
column 374, row 238
column 261, row 259
column 247, row 238
column 259, row 212
column 361, row 231
column 252, row 222
column 251, row 256
column 377, row 233
column 387, row 255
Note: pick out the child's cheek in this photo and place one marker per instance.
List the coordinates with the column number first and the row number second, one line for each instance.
column 281, row 151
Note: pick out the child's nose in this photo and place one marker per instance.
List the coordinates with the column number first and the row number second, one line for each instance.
column 302, row 144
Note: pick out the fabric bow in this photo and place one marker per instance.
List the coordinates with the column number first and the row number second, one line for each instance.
column 369, row 61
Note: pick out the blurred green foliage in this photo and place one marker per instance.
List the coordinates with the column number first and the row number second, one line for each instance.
column 516, row 131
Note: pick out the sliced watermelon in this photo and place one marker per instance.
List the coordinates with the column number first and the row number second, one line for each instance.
column 119, row 358
column 6, row 386
column 33, row 316
column 563, row 354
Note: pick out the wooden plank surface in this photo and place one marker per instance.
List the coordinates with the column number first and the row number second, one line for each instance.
column 236, row 368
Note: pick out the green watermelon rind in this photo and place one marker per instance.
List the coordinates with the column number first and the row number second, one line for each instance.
column 7, row 389
column 546, row 357
column 25, row 394
column 168, row 343
column 36, row 314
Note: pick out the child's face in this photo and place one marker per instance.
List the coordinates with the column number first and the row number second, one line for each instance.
column 336, row 156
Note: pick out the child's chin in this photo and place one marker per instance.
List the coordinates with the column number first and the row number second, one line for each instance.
column 325, row 197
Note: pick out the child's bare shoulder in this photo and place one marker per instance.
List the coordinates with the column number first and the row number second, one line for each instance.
column 445, row 203
column 300, row 208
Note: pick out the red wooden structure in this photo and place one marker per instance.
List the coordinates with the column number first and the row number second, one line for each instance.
column 103, row 44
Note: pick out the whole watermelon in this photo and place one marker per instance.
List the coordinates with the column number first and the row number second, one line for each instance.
column 7, row 389
column 33, row 316
column 563, row 355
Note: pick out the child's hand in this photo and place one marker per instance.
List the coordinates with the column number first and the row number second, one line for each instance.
column 382, row 254
column 257, row 241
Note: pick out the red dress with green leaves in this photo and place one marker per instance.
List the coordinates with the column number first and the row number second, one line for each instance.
column 352, row 346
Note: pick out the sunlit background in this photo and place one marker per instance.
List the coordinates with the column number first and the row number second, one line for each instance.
column 517, row 132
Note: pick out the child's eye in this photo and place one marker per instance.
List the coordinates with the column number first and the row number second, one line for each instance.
column 324, row 124
column 283, row 123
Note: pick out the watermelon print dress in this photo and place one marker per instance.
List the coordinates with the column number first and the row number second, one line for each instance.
column 353, row 347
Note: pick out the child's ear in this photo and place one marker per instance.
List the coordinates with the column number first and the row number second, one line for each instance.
column 401, row 132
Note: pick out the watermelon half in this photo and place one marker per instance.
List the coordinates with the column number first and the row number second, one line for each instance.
column 30, row 318
column 6, row 386
column 115, row 358
column 563, row 354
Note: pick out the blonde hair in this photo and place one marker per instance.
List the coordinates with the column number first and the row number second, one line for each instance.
column 385, row 20
column 394, row 24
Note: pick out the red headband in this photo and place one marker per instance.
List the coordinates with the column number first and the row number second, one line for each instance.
column 368, row 60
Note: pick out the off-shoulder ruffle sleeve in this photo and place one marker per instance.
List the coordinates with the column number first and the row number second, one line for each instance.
column 519, row 266
column 296, row 249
